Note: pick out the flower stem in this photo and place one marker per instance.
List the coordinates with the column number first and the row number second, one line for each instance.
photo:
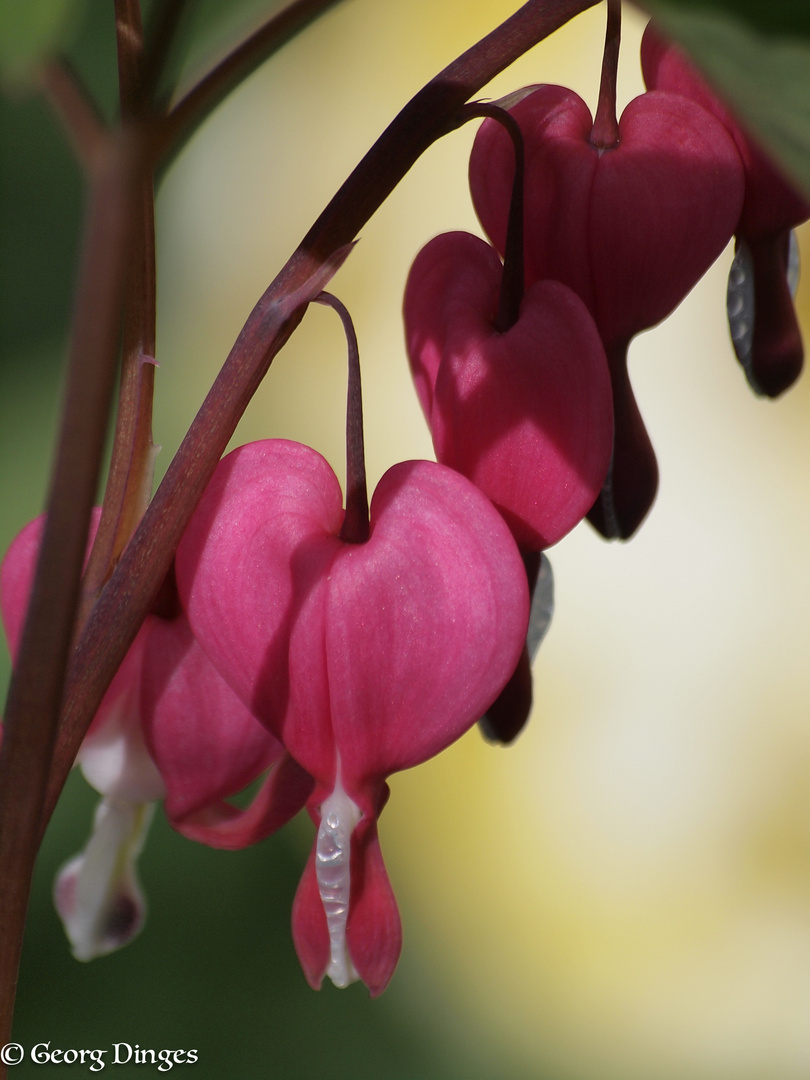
column 512, row 280
column 355, row 528
column 116, row 164
column 605, row 131
column 129, row 482
column 35, row 692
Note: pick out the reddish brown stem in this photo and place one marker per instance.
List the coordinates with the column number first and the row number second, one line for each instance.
column 130, row 471
column 164, row 23
column 512, row 280
column 355, row 528
column 129, row 43
column 35, row 693
column 117, row 166
column 605, row 131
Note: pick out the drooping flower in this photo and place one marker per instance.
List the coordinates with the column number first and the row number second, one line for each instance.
column 629, row 227
column 168, row 727
column 765, row 330
column 526, row 414
column 361, row 658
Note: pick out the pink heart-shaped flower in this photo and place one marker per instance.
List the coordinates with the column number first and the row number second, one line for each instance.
column 527, row 414
column 630, row 229
column 362, row 659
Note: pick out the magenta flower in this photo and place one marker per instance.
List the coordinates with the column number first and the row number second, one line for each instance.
column 630, row 228
column 361, row 658
column 168, row 727
column 526, row 414
column 767, row 338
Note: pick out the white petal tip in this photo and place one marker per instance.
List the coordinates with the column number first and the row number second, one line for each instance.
column 97, row 894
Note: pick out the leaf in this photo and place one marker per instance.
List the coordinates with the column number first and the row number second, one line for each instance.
column 31, row 31
column 757, row 56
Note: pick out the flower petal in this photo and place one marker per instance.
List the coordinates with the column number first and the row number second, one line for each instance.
column 527, row 415
column 257, row 547
column 97, row 893
column 424, row 625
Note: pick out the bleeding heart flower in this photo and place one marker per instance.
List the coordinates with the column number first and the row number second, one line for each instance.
column 630, row 228
column 168, row 726
column 765, row 330
column 361, row 658
column 527, row 414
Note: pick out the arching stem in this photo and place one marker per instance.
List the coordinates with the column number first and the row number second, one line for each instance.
column 355, row 529
column 512, row 282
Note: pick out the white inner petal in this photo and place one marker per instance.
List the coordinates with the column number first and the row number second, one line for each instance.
column 97, row 893
column 114, row 758
column 339, row 815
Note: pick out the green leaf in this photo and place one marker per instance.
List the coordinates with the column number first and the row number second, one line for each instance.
column 759, row 63
column 31, row 30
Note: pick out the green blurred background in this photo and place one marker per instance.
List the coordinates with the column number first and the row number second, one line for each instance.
column 626, row 891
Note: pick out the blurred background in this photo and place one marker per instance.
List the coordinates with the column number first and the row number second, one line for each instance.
column 623, row 893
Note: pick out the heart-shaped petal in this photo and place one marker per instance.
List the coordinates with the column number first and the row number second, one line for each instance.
column 382, row 652
column 630, row 229
column 527, row 414
column 772, row 204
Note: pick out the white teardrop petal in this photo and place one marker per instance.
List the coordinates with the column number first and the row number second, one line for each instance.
column 97, row 893
column 339, row 815
column 740, row 308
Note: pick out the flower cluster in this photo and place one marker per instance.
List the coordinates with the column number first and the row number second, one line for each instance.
column 621, row 220
column 329, row 662
column 318, row 648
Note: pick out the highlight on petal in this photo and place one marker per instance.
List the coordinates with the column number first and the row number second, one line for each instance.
column 97, row 893
column 315, row 634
